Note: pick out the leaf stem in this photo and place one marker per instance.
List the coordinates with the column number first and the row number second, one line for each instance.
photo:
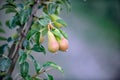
column 41, row 30
column 41, row 72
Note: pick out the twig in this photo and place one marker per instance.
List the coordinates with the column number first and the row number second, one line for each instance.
column 11, row 51
column 41, row 72
column 13, row 47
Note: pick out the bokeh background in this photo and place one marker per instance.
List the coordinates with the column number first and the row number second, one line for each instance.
column 94, row 42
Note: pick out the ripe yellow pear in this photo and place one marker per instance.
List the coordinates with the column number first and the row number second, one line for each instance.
column 53, row 45
column 63, row 44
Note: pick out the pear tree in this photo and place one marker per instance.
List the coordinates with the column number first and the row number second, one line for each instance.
column 32, row 20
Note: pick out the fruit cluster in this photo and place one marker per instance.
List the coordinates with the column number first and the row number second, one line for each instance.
column 56, row 37
column 56, row 43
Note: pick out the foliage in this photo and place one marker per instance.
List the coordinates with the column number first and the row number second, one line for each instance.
column 32, row 40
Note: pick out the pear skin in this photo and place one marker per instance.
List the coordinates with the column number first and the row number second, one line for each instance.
column 41, row 39
column 53, row 45
column 63, row 44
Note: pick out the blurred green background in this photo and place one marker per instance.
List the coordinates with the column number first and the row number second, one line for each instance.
column 94, row 42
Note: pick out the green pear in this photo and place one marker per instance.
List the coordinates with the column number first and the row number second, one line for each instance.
column 53, row 45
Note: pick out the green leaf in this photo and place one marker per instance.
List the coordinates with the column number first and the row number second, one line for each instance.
column 36, row 26
column 2, row 38
column 29, row 2
column 2, row 48
column 30, row 34
column 33, row 59
column 67, row 4
column 21, row 52
column 37, row 37
column 10, row 1
column 50, row 77
column 15, row 36
column 4, row 64
column 58, row 9
column 61, row 22
column 7, row 6
column 10, row 10
column 26, row 44
column 44, row 32
column 9, row 39
column 20, row 6
column 2, row 31
column 24, row 69
column 22, row 58
column 24, row 14
column 57, row 33
column 54, row 17
column 63, row 33
column 51, row 8
column 45, row 10
column 36, row 64
column 13, row 22
column 38, row 48
column 54, row 65
column 46, row 16
column 44, row 22
column 28, row 77
column 34, row 29
column 23, row 17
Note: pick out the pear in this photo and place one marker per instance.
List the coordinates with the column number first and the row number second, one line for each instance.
column 53, row 45
column 41, row 39
column 63, row 44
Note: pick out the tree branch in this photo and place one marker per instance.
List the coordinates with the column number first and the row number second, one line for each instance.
column 22, row 38
column 11, row 51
